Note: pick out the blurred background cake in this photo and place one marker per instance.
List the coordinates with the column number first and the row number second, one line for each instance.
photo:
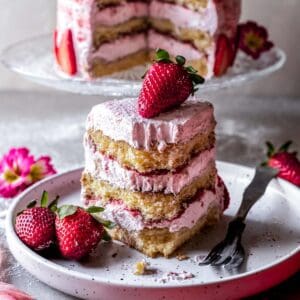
column 99, row 37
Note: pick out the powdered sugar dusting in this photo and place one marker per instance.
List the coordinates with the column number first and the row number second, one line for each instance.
column 174, row 276
column 121, row 122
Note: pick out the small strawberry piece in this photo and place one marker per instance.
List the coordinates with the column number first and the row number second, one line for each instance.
column 77, row 233
column 166, row 85
column 65, row 53
column 35, row 227
column 55, row 49
column 285, row 162
column 224, row 55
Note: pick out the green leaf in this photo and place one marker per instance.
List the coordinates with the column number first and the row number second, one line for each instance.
column 32, row 204
column 106, row 223
column 190, row 69
column 270, row 148
column 180, row 60
column 285, row 146
column 162, row 55
column 53, row 205
column 94, row 209
column 44, row 199
column 106, row 237
column 66, row 210
column 197, row 79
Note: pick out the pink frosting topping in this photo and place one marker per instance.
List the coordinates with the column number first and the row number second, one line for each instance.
column 117, row 212
column 114, row 15
column 119, row 120
column 104, row 168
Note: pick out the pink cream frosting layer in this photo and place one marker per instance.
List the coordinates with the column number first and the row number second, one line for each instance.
column 104, row 168
column 114, row 15
column 205, row 20
column 121, row 47
column 119, row 120
column 117, row 212
column 173, row 46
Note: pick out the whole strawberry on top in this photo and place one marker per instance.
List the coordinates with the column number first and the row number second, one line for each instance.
column 286, row 162
column 166, row 85
column 78, row 232
column 35, row 225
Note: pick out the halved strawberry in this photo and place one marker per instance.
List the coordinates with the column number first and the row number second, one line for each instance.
column 65, row 53
column 224, row 55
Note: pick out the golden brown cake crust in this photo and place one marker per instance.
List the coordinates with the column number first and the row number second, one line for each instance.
column 171, row 158
column 100, row 68
column 157, row 242
column 153, row 206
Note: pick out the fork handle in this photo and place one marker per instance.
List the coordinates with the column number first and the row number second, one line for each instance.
column 254, row 191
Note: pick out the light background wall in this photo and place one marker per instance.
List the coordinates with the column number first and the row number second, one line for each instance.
column 20, row 19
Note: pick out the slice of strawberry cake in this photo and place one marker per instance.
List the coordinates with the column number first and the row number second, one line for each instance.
column 99, row 37
column 151, row 163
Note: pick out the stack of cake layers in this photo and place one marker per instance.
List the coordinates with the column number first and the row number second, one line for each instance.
column 156, row 178
column 114, row 35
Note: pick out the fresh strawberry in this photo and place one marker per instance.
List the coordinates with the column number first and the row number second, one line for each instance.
column 64, row 52
column 77, row 231
column 285, row 162
column 166, row 85
column 55, row 48
column 224, row 55
column 35, row 225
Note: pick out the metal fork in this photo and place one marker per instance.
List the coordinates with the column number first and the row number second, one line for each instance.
column 230, row 251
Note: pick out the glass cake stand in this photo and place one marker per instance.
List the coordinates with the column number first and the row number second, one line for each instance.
column 33, row 58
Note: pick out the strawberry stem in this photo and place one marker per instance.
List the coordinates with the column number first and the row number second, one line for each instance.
column 162, row 56
column 32, row 204
column 180, row 60
column 94, row 209
column 44, row 199
column 285, row 146
column 270, row 149
column 66, row 210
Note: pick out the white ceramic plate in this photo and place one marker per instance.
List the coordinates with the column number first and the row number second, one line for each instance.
column 271, row 239
column 33, row 58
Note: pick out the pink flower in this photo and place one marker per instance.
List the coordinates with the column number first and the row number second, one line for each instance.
column 253, row 39
column 19, row 169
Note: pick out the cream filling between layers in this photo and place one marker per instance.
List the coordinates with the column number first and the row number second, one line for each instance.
column 112, row 16
column 173, row 46
column 117, row 212
column 204, row 20
column 104, row 168
column 119, row 48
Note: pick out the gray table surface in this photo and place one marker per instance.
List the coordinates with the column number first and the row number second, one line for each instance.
column 52, row 123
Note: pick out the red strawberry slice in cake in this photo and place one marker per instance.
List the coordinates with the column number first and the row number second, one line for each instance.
column 65, row 53
column 225, row 54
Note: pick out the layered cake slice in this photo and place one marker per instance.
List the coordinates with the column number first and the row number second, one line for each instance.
column 99, row 37
column 156, row 178
column 151, row 162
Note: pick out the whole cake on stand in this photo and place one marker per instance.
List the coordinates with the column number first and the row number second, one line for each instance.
column 99, row 37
